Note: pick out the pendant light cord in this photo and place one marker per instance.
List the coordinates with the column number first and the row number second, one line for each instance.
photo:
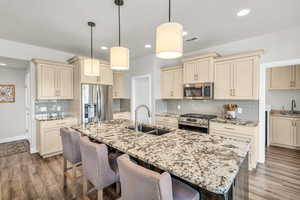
column 119, row 25
column 92, row 56
column 169, row 10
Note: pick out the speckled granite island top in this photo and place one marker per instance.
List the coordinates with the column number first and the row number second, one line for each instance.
column 210, row 162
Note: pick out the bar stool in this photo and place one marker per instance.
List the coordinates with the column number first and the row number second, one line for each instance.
column 98, row 168
column 140, row 183
column 71, row 154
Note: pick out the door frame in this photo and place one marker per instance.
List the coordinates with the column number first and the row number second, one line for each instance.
column 133, row 93
column 262, row 102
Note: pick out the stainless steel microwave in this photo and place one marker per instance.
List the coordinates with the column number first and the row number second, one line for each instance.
column 198, row 91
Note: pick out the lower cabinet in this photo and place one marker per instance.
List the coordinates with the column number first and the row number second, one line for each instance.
column 49, row 140
column 285, row 132
column 171, row 122
column 239, row 132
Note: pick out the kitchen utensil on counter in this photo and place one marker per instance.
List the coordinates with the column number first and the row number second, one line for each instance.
column 230, row 111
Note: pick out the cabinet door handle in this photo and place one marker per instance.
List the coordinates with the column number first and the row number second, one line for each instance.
column 229, row 128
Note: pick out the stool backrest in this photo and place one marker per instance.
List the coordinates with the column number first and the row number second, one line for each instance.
column 70, row 143
column 95, row 163
column 140, row 183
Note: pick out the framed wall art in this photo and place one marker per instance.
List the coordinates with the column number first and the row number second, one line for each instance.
column 7, row 93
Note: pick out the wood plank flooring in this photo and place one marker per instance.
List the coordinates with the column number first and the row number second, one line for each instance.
column 25, row 177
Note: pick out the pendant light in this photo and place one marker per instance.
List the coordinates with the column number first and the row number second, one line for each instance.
column 169, row 39
column 91, row 65
column 119, row 56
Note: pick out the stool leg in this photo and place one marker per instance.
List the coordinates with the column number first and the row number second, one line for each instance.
column 64, row 171
column 118, row 187
column 85, row 188
column 74, row 180
column 100, row 194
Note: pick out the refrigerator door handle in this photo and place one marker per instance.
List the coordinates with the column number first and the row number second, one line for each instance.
column 99, row 103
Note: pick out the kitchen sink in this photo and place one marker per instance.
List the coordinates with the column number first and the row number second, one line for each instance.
column 150, row 129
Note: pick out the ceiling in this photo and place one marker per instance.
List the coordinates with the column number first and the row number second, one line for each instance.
column 14, row 63
column 62, row 24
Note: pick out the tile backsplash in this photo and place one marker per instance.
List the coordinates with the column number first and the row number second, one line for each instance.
column 250, row 109
column 49, row 107
column 121, row 105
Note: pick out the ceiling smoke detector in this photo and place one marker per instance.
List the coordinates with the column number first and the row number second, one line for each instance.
column 193, row 39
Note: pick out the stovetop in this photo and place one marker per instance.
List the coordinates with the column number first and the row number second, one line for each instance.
column 199, row 116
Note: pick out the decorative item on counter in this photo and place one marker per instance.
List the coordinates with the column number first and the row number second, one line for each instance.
column 230, row 111
column 7, row 93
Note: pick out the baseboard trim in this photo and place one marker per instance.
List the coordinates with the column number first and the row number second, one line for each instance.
column 12, row 139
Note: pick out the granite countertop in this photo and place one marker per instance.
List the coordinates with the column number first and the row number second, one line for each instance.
column 210, row 162
column 238, row 122
column 166, row 114
column 285, row 113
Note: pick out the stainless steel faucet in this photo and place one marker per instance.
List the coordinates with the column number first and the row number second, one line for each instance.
column 293, row 106
column 136, row 123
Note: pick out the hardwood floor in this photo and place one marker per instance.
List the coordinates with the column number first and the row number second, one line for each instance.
column 278, row 178
column 25, row 176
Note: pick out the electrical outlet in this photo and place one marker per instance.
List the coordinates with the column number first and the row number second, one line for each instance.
column 240, row 110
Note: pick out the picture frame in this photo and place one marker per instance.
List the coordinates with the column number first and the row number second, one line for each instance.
column 7, row 93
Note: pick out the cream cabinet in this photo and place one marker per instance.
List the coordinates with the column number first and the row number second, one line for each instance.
column 48, row 137
column 284, row 78
column 237, row 77
column 105, row 73
column 54, row 80
column 285, row 132
column 118, row 85
column 198, row 69
column 242, row 133
column 171, row 82
column 171, row 122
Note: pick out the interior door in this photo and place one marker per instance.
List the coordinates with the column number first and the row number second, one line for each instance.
column 222, row 80
column 280, row 77
column 243, row 79
column 282, row 131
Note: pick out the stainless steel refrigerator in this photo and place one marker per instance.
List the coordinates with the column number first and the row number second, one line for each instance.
column 96, row 103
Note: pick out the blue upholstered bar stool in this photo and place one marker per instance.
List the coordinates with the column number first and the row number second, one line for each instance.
column 71, row 155
column 140, row 183
column 98, row 168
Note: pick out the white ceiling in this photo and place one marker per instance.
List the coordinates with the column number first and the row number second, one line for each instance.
column 14, row 63
column 61, row 24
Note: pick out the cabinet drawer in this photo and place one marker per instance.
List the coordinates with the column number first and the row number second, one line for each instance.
column 233, row 128
column 166, row 119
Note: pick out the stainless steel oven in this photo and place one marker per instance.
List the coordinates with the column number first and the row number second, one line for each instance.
column 198, row 91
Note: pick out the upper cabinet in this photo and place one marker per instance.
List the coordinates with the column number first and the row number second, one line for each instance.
column 54, row 80
column 198, row 69
column 171, row 82
column 119, row 85
column 105, row 76
column 237, row 77
column 284, row 78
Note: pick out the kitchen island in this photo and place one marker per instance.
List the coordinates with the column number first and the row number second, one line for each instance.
column 215, row 165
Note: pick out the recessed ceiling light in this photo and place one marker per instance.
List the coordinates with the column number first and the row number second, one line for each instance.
column 104, row 48
column 243, row 12
column 148, row 46
column 184, row 33
column 2, row 64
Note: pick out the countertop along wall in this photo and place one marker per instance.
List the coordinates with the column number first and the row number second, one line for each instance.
column 12, row 117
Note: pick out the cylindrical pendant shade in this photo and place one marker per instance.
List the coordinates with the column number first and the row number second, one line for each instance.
column 91, row 67
column 119, row 58
column 169, row 40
